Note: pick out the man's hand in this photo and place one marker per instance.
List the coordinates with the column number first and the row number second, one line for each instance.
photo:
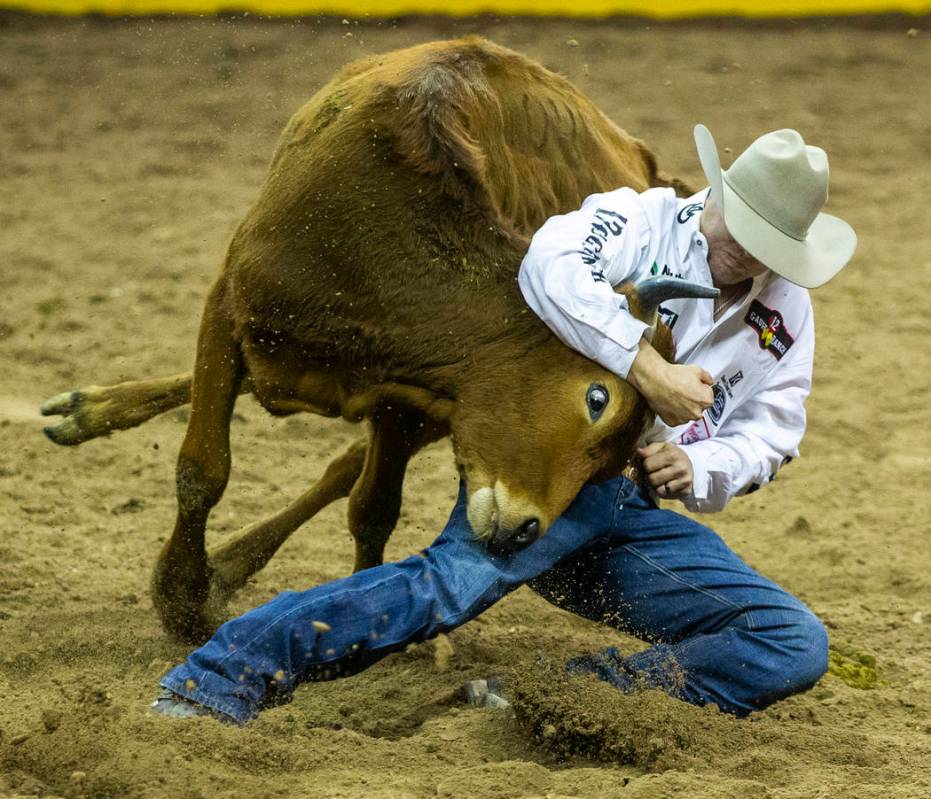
column 677, row 394
column 667, row 468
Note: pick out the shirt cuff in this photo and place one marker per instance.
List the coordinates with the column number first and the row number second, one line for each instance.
column 625, row 328
column 617, row 358
column 701, row 475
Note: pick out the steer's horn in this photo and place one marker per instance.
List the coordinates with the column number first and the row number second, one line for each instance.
column 646, row 296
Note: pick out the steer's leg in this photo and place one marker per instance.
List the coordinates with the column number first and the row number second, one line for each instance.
column 99, row 410
column 235, row 561
column 375, row 501
column 374, row 482
column 180, row 583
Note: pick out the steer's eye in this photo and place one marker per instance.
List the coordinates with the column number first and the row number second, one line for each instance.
column 597, row 400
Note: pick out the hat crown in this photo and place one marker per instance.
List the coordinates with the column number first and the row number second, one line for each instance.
column 783, row 180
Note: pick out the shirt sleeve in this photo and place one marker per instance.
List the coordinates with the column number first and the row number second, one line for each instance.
column 759, row 437
column 569, row 271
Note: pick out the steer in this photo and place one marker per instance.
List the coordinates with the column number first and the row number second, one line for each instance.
column 374, row 279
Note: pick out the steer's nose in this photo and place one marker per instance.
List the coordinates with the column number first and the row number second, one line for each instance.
column 507, row 542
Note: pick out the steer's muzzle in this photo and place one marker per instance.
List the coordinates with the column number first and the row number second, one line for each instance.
column 507, row 542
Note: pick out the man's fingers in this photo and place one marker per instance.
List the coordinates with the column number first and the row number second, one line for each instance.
column 706, row 378
column 664, row 458
column 675, row 487
column 667, row 469
column 669, row 489
column 669, row 474
column 650, row 449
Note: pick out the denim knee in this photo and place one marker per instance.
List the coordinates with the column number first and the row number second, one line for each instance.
column 803, row 642
column 812, row 660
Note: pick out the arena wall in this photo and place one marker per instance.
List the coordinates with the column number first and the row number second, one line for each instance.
column 658, row 9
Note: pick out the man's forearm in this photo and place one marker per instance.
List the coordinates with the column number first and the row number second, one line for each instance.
column 647, row 370
column 677, row 394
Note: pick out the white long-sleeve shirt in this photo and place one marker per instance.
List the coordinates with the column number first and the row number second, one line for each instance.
column 759, row 352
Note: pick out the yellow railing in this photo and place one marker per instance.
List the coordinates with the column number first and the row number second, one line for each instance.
column 659, row 9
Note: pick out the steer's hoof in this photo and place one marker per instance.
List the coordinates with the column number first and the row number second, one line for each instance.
column 75, row 428
column 67, row 432
column 62, row 404
column 190, row 611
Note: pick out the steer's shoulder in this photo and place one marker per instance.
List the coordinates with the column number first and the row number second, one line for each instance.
column 502, row 132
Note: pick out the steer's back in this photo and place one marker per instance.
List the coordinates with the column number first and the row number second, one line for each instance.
column 404, row 193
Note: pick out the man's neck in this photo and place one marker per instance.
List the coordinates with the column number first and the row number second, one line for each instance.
column 730, row 295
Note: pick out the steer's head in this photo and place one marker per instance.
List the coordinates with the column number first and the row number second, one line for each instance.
column 529, row 432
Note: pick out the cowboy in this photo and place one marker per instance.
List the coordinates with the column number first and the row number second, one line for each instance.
column 730, row 415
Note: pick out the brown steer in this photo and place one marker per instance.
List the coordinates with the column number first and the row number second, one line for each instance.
column 375, row 279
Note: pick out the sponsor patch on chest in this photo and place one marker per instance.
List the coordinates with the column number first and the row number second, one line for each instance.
column 771, row 330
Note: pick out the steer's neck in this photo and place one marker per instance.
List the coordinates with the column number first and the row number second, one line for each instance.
column 471, row 328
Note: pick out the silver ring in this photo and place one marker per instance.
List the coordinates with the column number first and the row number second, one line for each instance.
column 666, row 486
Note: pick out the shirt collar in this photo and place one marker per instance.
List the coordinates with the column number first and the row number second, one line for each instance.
column 688, row 221
column 690, row 243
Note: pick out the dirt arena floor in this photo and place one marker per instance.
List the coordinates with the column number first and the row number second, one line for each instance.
column 129, row 152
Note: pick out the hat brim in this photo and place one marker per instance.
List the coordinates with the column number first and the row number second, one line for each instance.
column 708, row 158
column 809, row 263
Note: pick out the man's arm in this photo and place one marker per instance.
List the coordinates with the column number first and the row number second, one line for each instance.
column 570, row 269
column 567, row 278
column 753, row 444
column 756, row 440
column 677, row 394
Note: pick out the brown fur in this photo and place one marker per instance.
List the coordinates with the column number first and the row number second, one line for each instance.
column 375, row 279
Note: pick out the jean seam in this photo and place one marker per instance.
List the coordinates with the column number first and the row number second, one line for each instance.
column 623, row 492
column 291, row 612
column 673, row 576
column 344, row 592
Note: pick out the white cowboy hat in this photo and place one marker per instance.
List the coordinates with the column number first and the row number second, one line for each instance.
column 771, row 199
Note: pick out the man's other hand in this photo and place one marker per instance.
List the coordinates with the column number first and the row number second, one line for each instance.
column 667, row 468
column 677, row 394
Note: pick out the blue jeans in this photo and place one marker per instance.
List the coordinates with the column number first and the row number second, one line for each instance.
column 719, row 631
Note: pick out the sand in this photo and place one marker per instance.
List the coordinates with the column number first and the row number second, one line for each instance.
column 130, row 149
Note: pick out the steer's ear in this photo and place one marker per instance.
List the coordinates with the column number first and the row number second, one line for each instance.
column 663, row 342
column 440, row 409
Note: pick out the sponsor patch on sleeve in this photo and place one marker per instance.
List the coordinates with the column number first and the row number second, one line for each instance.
column 605, row 224
column 770, row 328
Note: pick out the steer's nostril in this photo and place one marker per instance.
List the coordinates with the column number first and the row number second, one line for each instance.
column 507, row 542
column 528, row 533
